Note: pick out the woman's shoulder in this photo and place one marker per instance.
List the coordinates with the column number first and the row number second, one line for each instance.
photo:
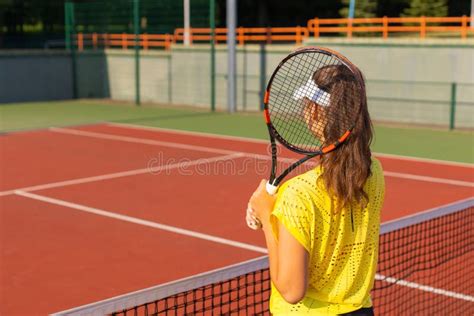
column 375, row 185
column 376, row 163
column 376, row 168
column 301, row 186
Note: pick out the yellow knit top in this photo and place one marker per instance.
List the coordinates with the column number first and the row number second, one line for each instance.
column 342, row 247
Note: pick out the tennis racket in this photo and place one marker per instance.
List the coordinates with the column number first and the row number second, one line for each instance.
column 311, row 104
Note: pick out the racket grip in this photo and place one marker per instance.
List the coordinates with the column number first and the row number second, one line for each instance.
column 271, row 189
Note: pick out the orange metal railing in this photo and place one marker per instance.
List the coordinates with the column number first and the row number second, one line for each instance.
column 122, row 40
column 316, row 27
column 247, row 35
column 385, row 25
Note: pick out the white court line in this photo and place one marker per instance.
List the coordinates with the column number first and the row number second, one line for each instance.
column 425, row 288
column 428, row 179
column 142, row 222
column 260, row 141
column 159, row 143
column 122, row 174
column 184, row 132
column 258, row 156
column 140, row 140
column 219, row 240
column 192, row 147
column 426, row 160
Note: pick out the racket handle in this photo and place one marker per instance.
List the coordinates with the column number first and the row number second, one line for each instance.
column 271, row 189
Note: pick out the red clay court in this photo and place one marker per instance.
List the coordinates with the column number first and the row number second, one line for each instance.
column 96, row 211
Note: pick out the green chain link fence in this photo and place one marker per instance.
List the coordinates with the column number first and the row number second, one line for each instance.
column 133, row 50
column 121, row 50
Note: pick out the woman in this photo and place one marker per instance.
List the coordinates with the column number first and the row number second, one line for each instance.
column 322, row 227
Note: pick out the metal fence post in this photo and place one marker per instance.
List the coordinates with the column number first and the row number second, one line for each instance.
column 136, row 29
column 263, row 73
column 244, row 77
column 67, row 25
column 452, row 112
column 170, row 79
column 70, row 28
column 231, row 55
column 212, row 25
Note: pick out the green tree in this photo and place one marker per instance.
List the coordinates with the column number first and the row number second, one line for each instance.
column 392, row 8
column 427, row 8
column 363, row 8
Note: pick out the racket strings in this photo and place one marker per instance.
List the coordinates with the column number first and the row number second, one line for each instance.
column 290, row 121
column 329, row 105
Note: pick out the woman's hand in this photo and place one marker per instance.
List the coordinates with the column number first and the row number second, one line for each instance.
column 261, row 204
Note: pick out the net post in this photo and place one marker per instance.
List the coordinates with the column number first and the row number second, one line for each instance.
column 263, row 70
column 452, row 112
column 212, row 26
column 136, row 30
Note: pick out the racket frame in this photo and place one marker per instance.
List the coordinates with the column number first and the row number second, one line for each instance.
column 274, row 180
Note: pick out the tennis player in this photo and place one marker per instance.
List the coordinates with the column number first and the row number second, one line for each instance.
column 322, row 227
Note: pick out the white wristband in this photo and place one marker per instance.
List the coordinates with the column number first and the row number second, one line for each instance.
column 271, row 189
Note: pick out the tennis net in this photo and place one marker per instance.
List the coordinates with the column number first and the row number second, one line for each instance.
column 426, row 264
